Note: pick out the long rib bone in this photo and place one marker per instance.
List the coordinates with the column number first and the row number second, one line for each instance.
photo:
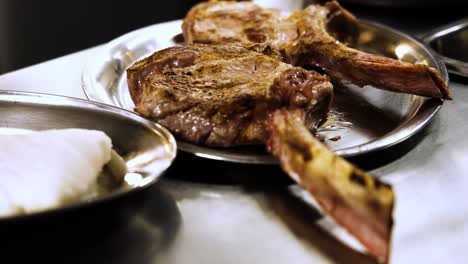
column 357, row 201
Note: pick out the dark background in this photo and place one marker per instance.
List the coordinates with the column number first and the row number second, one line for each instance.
column 33, row 31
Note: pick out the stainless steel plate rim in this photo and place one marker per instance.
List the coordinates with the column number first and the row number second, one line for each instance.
column 9, row 96
column 454, row 66
column 430, row 106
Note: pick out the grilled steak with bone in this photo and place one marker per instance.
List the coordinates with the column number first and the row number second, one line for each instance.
column 220, row 95
column 242, row 94
column 309, row 37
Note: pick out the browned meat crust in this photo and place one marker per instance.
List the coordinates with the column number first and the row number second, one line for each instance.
column 308, row 37
column 220, row 95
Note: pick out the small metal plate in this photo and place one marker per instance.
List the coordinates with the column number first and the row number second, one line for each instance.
column 362, row 119
column 147, row 148
column 451, row 43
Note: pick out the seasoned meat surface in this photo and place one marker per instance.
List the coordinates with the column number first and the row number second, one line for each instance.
column 313, row 36
column 220, row 95
column 225, row 21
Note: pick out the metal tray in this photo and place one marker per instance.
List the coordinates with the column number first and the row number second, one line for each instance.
column 147, row 148
column 365, row 119
column 451, row 43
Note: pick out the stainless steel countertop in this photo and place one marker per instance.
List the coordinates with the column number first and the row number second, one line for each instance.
column 213, row 212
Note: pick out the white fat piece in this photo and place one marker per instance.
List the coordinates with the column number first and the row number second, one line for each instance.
column 40, row 170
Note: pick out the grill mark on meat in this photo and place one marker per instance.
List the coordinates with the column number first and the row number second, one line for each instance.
column 301, row 149
column 355, row 202
column 380, row 184
column 357, row 178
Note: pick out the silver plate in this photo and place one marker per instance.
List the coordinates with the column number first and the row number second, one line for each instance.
column 365, row 119
column 451, row 43
column 147, row 148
